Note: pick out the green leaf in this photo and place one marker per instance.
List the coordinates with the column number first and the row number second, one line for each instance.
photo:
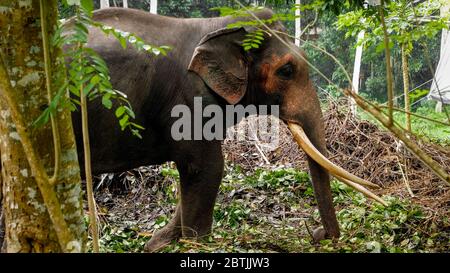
column 120, row 111
column 74, row 90
column 95, row 79
column 123, row 42
column 87, row 5
column 43, row 118
column 137, row 126
column 136, row 133
column 87, row 89
column 156, row 51
column 106, row 101
column 130, row 112
column 124, row 122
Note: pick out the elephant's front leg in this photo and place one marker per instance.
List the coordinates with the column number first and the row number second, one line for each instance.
column 169, row 233
column 201, row 169
column 200, row 183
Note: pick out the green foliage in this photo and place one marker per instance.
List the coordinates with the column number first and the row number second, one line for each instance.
column 253, row 40
column 344, row 28
column 435, row 132
column 121, row 240
column 126, row 38
column 277, row 179
column 270, row 210
column 403, row 20
column 418, row 94
column 428, row 130
column 337, row 6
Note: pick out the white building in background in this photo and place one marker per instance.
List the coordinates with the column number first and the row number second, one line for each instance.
column 440, row 89
column 441, row 83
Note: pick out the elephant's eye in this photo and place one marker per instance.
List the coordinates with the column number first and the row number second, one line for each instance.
column 286, row 72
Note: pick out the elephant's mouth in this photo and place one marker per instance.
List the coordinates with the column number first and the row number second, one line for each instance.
column 339, row 173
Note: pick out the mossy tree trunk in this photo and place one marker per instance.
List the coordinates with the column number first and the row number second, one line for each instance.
column 2, row 222
column 28, row 220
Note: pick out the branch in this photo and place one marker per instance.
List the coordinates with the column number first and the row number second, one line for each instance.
column 48, row 79
column 417, row 115
column 88, row 171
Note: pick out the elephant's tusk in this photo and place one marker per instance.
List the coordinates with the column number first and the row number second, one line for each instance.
column 342, row 175
column 362, row 190
column 308, row 147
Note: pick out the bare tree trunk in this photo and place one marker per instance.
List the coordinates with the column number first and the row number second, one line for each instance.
column 29, row 216
column 357, row 71
column 125, row 4
column 390, row 82
column 298, row 23
column 405, row 69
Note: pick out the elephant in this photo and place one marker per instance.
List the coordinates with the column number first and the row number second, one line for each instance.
column 207, row 61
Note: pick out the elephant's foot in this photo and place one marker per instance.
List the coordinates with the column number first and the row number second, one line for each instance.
column 320, row 234
column 163, row 237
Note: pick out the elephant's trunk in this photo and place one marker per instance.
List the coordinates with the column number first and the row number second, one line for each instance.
column 319, row 175
column 307, row 128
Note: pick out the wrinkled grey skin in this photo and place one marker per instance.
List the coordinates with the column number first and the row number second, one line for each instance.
column 209, row 62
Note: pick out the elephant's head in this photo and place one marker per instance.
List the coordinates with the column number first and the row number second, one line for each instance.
column 273, row 74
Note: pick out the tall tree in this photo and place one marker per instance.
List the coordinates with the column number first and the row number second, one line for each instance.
column 42, row 214
column 2, row 222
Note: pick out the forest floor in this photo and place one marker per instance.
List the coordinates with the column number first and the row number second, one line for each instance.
column 266, row 202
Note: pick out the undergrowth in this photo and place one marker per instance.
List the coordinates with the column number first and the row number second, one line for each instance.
column 275, row 211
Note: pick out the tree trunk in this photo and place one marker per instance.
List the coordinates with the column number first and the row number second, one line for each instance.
column 2, row 221
column 405, row 69
column 387, row 50
column 28, row 222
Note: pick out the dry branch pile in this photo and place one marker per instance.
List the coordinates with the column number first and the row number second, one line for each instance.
column 364, row 150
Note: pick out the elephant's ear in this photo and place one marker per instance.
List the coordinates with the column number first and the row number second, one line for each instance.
column 220, row 61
